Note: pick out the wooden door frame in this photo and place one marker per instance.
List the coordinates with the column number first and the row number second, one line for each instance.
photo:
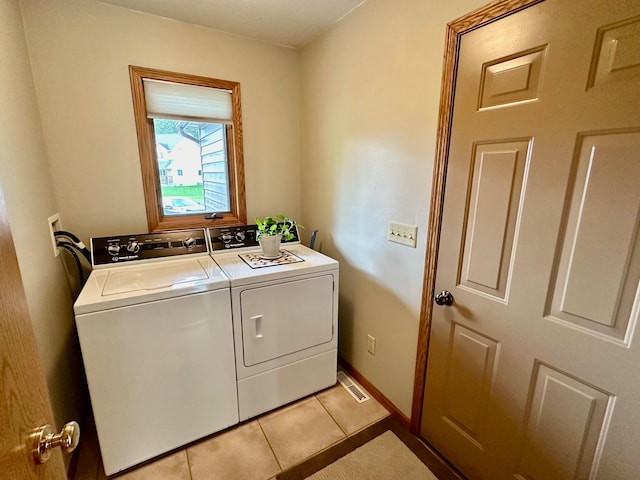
column 455, row 29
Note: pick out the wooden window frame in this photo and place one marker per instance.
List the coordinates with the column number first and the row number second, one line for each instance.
column 156, row 219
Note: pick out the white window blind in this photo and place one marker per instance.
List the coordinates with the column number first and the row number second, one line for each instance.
column 180, row 101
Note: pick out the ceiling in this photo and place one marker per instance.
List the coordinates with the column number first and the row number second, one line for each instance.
column 292, row 23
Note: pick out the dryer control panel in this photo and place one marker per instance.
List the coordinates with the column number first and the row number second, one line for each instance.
column 147, row 246
column 242, row 236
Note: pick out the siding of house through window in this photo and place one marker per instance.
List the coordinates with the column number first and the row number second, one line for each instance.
column 215, row 178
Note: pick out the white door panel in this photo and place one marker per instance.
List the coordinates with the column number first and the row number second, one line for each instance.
column 566, row 418
column 493, row 212
column 471, row 374
column 599, row 260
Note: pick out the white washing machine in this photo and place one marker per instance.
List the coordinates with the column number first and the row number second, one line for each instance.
column 154, row 322
column 285, row 318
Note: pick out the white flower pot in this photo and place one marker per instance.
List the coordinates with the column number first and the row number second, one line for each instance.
column 270, row 245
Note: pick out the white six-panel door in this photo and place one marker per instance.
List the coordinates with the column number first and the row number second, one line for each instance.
column 534, row 370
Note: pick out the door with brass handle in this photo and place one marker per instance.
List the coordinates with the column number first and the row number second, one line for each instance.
column 44, row 440
column 444, row 298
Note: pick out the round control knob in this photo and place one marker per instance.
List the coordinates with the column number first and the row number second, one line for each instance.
column 227, row 237
column 133, row 247
column 189, row 242
column 113, row 249
column 240, row 236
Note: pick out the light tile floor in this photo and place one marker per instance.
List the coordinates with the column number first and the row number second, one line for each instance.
column 257, row 449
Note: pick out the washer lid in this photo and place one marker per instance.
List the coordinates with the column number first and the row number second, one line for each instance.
column 152, row 277
column 134, row 284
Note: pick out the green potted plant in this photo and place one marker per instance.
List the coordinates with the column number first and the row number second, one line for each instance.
column 271, row 231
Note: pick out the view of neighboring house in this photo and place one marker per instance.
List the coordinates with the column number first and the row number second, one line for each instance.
column 179, row 160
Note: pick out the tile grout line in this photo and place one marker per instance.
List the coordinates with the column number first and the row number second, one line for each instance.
column 273, row 452
column 346, row 435
column 322, row 449
column 186, row 452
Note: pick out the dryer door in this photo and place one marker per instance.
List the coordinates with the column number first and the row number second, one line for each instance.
column 285, row 318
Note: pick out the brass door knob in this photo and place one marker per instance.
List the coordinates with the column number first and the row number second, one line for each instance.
column 44, row 440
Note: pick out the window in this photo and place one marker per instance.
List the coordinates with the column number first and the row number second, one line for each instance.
column 190, row 144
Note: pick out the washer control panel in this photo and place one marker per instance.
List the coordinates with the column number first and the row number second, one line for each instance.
column 243, row 236
column 147, row 246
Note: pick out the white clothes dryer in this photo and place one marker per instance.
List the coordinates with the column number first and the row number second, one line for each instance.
column 285, row 318
column 154, row 323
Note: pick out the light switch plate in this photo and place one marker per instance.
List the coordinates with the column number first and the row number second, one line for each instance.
column 403, row 234
column 371, row 344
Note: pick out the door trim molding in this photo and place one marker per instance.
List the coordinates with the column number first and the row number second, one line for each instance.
column 454, row 31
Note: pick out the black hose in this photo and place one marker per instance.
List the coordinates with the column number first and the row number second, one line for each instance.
column 76, row 242
column 58, row 233
column 70, row 247
column 312, row 241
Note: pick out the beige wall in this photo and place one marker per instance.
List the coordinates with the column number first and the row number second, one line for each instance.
column 371, row 91
column 80, row 51
column 26, row 182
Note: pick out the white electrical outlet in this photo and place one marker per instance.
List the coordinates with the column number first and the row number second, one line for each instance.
column 403, row 234
column 55, row 224
column 371, row 345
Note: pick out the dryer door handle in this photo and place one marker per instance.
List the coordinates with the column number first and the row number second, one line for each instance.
column 257, row 326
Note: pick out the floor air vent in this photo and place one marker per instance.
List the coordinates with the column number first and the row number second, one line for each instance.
column 352, row 387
